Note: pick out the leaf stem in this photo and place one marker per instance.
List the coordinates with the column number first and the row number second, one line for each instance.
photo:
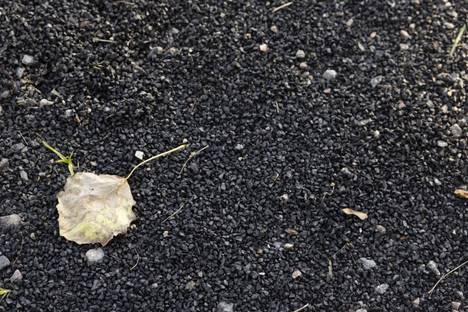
column 179, row 148
column 63, row 159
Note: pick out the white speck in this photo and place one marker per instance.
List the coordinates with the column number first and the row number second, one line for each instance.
column 367, row 264
column 300, row 54
column 274, row 29
column 239, row 147
column 441, row 143
column 376, row 134
column 27, row 59
column 381, row 289
column 94, row 255
column 288, row 246
column 431, row 265
column 404, row 34
column 380, row 228
column 45, row 102
column 296, row 274
column 455, row 305
column 263, row 47
column 329, row 74
column 416, row 302
column 24, row 175
column 139, row 155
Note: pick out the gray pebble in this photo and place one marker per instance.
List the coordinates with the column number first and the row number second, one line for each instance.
column 416, row 302
column 24, row 175
column 376, row 134
column 303, row 65
column 16, row 277
column 300, row 54
column 346, row 172
column 94, row 255
column 367, row 264
column 455, row 305
column 190, row 285
column 441, row 143
column 460, row 294
column 4, row 164
column 361, row 310
column 329, row 74
column 381, row 229
column 381, row 289
column 45, row 102
column 376, row 81
column 456, row 130
column 12, row 220
column 4, row 94
column 19, row 72
column 431, row 265
column 68, row 113
column 27, row 59
column 4, row 262
column 239, row 147
column 225, row 307
column 404, row 34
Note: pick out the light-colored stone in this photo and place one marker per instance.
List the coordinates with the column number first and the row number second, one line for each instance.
column 94, row 255
column 329, row 74
column 382, row 289
column 367, row 264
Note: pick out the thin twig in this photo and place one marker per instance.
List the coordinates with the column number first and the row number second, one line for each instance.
column 282, row 6
column 444, row 276
column 95, row 39
column 179, row 148
column 302, row 308
column 192, row 155
column 174, row 213
column 457, row 40
column 138, row 261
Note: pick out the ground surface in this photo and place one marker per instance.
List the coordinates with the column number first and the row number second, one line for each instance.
column 273, row 127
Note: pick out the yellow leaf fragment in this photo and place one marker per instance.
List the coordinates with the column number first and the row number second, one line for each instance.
column 461, row 193
column 361, row 215
column 94, row 208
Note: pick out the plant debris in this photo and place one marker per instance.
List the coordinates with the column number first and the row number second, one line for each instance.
column 94, row 208
column 361, row 215
column 461, row 193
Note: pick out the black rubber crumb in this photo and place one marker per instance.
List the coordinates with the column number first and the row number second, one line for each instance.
column 289, row 147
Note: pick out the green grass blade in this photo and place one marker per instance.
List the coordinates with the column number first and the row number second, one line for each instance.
column 457, row 40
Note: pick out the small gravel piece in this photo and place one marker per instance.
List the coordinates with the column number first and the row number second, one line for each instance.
column 404, row 34
column 20, row 72
column 45, row 102
column 431, row 265
column 361, row 310
column 381, row 289
column 263, row 47
column 300, row 54
column 455, row 305
column 274, row 29
column 225, row 307
column 441, row 143
column 456, row 130
column 4, row 162
column 329, row 74
column 4, row 262
column 68, row 113
column 376, row 81
column 288, row 246
column 416, row 302
column 16, row 277
column 94, row 255
column 367, row 264
column 139, row 155
column 239, row 147
column 380, row 228
column 24, row 175
column 296, row 274
column 9, row 221
column 303, row 65
column 27, row 59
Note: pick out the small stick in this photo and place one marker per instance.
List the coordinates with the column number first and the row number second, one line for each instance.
column 138, row 260
column 192, row 155
column 445, row 275
column 95, row 39
column 301, row 308
column 174, row 213
column 179, row 148
column 282, row 6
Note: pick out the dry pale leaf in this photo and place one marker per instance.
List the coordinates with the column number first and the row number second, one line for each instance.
column 94, row 208
column 461, row 193
column 359, row 214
